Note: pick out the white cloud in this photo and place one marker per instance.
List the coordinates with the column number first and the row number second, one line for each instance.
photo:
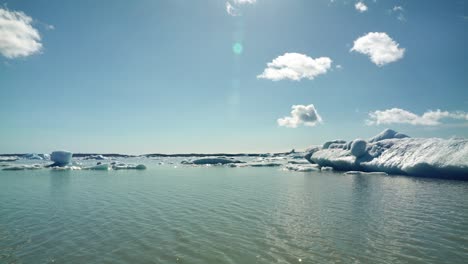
column 232, row 7
column 295, row 66
column 301, row 114
column 398, row 11
column 231, row 10
column 400, row 116
column 17, row 36
column 360, row 7
column 379, row 47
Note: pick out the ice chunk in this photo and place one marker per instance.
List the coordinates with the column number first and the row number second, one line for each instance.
column 387, row 134
column 44, row 156
column 61, row 158
column 214, row 161
column 264, row 164
column 95, row 157
column 98, row 167
column 122, row 166
column 302, row 168
column 65, row 168
column 32, row 156
column 24, row 167
column 358, row 148
column 8, row 158
column 365, row 173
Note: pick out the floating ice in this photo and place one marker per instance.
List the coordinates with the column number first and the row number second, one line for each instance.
column 8, row 158
column 95, row 157
column 302, row 168
column 365, row 173
column 98, row 167
column 32, row 156
column 24, row 167
column 61, row 158
column 65, row 168
column 263, row 164
column 395, row 153
column 122, row 166
column 215, row 161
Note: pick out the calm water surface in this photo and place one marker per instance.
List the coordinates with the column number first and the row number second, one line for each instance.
column 229, row 215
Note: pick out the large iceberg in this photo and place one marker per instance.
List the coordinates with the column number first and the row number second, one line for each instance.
column 396, row 153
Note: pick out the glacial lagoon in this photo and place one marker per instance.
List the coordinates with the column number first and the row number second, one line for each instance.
column 175, row 213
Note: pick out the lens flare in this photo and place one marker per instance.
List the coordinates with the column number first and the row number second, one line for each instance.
column 237, row 48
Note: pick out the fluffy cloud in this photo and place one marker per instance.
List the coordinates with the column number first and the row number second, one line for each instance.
column 17, row 36
column 360, row 7
column 232, row 8
column 400, row 116
column 295, row 66
column 379, row 47
column 301, row 114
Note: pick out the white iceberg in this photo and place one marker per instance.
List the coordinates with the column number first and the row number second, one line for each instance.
column 396, row 153
column 61, row 158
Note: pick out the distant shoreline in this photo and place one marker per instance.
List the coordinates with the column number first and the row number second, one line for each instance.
column 153, row 155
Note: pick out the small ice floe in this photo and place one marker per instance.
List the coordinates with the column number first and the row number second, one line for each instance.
column 98, row 166
column 365, row 173
column 123, row 166
column 8, row 158
column 264, row 164
column 66, row 168
column 60, row 158
column 326, row 168
column 96, row 157
column 301, row 168
column 298, row 162
column 115, row 166
column 33, row 156
column 214, row 161
column 24, row 167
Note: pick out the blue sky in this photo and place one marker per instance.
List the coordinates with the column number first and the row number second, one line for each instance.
column 162, row 76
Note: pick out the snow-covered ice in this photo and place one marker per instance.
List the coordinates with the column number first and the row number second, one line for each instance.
column 396, row 153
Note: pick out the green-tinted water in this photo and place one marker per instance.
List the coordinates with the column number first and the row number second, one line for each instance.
column 229, row 215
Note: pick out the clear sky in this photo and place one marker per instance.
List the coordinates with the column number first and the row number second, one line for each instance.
column 222, row 76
